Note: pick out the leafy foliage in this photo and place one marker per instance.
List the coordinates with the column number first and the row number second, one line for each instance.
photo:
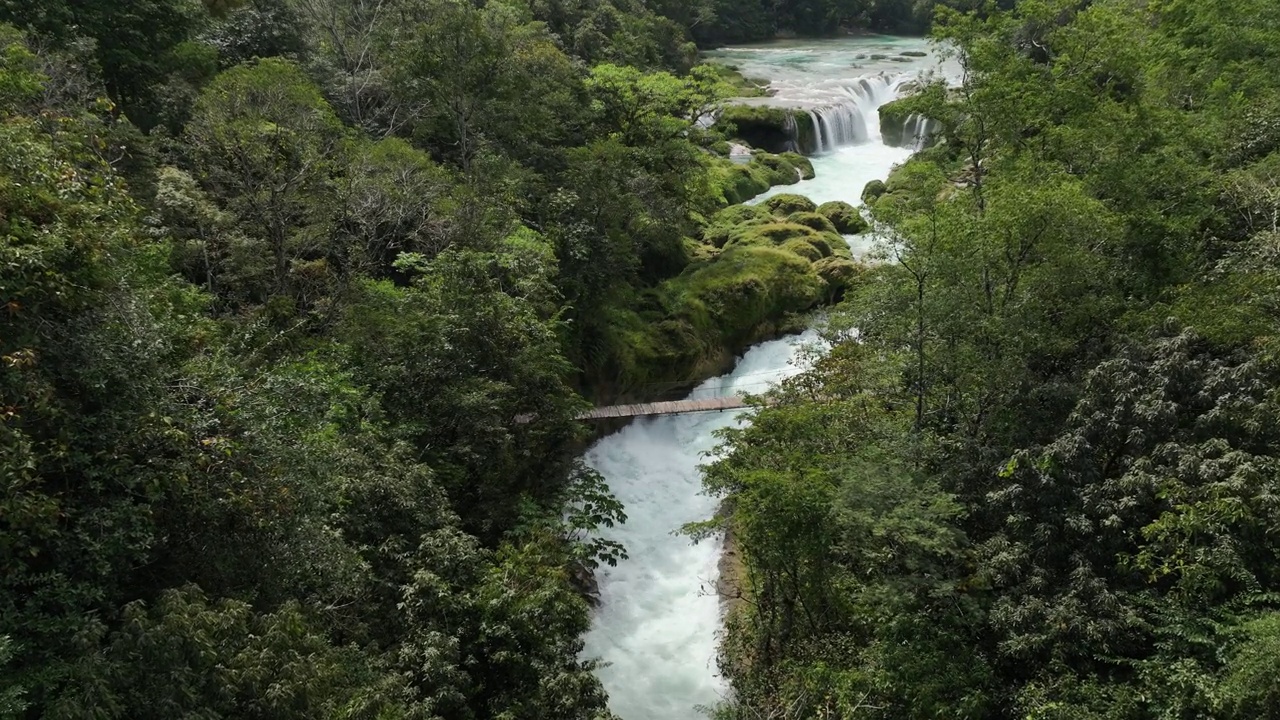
column 1039, row 479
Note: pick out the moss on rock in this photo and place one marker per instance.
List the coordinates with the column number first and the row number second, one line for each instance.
column 838, row 273
column 770, row 128
column 804, row 249
column 790, row 203
column 741, row 289
column 737, row 183
column 801, row 163
column 739, row 214
column 774, row 233
column 844, row 217
column 814, row 220
column 873, row 191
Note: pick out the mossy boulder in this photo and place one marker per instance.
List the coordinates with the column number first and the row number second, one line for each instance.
column 739, row 214
column 913, row 54
column 815, row 220
column 806, row 132
column 903, row 119
column 825, row 245
column 777, row 130
column 774, row 233
column 777, row 169
column 893, row 121
column 873, row 191
column 839, row 246
column 769, row 128
column 800, row 163
column 727, row 223
column 740, row 183
column 804, row 249
column 744, row 288
column 790, row 203
column 844, row 217
column 838, row 273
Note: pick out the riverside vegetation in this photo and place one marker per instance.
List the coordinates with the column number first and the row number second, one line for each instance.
column 1037, row 475
column 277, row 279
column 278, row 276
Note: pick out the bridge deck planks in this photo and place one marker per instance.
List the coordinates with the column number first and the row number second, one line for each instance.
column 676, row 407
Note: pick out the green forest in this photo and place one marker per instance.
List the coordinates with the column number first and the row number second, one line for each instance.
column 300, row 301
column 1037, row 475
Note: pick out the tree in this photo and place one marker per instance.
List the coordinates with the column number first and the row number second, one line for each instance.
column 131, row 40
column 264, row 142
column 458, row 357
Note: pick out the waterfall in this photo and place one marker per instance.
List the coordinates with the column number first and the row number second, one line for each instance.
column 841, row 125
column 818, row 146
column 793, row 132
column 918, row 131
column 848, row 114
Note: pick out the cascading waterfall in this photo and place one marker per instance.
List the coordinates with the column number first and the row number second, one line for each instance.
column 819, row 143
column 793, row 131
column 918, row 131
column 847, row 116
column 659, row 617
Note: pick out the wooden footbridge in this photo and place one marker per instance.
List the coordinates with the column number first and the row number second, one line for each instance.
column 676, row 407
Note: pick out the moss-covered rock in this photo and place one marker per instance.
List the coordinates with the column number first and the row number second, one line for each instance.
column 839, row 246
column 838, row 273
column 774, row 233
column 742, row 85
column 917, row 113
column 739, row 214
column 804, row 249
column 893, row 121
column 790, row 203
column 777, row 130
column 776, row 168
column 741, row 289
column 806, row 132
column 873, row 191
column 733, row 219
column 814, row 220
column 769, row 128
column 801, row 163
column 824, row 244
column 738, row 183
column 844, row 217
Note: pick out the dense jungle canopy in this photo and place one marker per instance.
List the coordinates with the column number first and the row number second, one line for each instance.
column 299, row 300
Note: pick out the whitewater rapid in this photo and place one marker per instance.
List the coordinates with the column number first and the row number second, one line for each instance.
column 658, row 624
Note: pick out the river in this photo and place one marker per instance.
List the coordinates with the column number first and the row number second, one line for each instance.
column 658, row 623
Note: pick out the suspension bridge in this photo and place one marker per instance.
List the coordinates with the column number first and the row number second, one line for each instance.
column 674, row 407
column 715, row 399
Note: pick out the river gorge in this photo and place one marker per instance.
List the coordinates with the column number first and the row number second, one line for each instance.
column 657, row 627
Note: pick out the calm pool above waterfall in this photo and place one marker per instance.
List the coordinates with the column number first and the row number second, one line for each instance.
column 659, row 619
